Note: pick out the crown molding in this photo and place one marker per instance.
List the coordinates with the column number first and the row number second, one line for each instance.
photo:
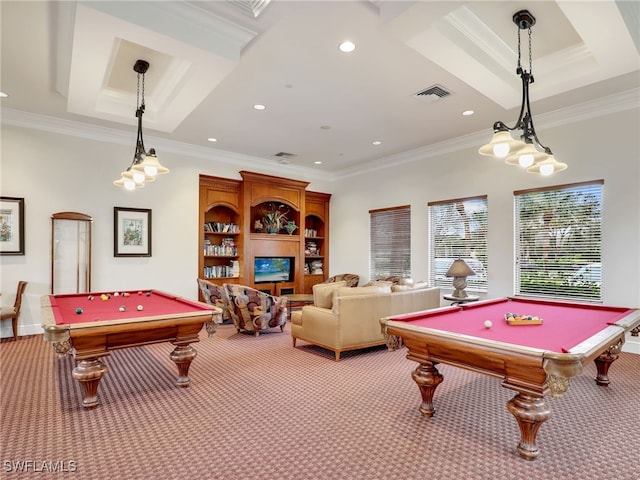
column 618, row 102
column 596, row 108
column 34, row 121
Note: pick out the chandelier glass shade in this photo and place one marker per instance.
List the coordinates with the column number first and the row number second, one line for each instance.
column 527, row 151
column 145, row 165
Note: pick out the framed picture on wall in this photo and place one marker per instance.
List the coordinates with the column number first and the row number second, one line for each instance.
column 131, row 232
column 11, row 226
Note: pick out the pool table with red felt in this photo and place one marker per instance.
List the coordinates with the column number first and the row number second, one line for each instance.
column 90, row 327
column 535, row 360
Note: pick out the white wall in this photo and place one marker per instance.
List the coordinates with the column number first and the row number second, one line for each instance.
column 57, row 173
column 605, row 148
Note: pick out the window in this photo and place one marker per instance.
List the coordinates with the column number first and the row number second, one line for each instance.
column 458, row 229
column 558, row 240
column 390, row 242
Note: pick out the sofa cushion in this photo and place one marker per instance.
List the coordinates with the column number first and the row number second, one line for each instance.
column 353, row 291
column 323, row 293
column 408, row 287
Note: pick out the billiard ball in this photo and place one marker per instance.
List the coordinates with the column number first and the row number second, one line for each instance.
column 122, row 308
column 126, row 294
column 140, row 307
column 116, row 294
column 78, row 311
column 488, row 323
column 148, row 294
column 139, row 293
column 104, row 297
column 90, row 297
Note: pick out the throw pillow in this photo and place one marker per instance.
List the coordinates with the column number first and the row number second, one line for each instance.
column 401, row 288
column 376, row 283
column 323, row 293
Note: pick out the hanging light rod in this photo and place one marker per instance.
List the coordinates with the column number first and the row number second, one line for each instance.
column 527, row 152
column 145, row 165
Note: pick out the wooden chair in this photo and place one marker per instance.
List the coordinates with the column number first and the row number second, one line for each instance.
column 14, row 312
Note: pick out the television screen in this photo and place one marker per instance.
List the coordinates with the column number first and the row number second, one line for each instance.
column 273, row 269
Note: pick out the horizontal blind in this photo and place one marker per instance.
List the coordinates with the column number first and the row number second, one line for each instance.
column 558, row 241
column 390, row 242
column 458, row 229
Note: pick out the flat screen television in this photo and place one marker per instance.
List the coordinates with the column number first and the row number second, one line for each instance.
column 273, row 269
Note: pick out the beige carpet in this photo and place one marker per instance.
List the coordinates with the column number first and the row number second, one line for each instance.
column 258, row 409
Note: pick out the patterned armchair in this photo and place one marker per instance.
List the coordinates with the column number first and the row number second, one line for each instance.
column 215, row 295
column 254, row 311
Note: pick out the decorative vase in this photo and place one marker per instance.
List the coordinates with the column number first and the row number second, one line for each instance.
column 290, row 227
column 272, row 230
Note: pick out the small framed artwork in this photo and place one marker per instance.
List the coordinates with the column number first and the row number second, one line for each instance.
column 11, row 226
column 131, row 232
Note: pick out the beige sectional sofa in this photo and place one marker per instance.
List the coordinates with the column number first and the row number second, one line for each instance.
column 344, row 318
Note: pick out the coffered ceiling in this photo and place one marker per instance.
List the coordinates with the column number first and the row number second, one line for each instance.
column 211, row 62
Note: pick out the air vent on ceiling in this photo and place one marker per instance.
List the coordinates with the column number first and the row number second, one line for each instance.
column 432, row 94
column 283, row 157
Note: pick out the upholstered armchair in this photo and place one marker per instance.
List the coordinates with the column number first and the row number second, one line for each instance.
column 215, row 295
column 255, row 311
column 351, row 278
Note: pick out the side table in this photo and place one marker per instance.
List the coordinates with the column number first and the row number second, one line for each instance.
column 297, row 301
column 460, row 301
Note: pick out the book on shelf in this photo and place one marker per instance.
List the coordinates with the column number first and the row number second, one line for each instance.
column 219, row 227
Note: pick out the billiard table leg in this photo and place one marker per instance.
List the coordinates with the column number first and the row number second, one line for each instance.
column 182, row 356
column 530, row 413
column 427, row 377
column 604, row 361
column 88, row 373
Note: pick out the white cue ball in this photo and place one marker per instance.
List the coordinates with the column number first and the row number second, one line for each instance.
column 488, row 324
column 140, row 307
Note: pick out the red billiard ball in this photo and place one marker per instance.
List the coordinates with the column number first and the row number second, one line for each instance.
column 139, row 293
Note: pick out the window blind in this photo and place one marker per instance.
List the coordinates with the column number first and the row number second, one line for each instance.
column 558, row 241
column 458, row 229
column 390, row 242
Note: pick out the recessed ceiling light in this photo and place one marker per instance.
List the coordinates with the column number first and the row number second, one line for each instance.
column 318, row 162
column 466, row 113
column 325, row 127
column 259, row 107
column 3, row 95
column 347, row 46
column 376, row 143
column 211, row 139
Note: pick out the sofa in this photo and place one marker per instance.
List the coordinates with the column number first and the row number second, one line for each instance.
column 348, row 318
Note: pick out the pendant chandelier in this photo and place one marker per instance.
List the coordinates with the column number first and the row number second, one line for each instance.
column 145, row 165
column 527, row 152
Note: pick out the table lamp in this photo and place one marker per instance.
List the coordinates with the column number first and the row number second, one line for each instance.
column 459, row 270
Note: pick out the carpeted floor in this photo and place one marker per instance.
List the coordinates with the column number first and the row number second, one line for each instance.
column 258, row 409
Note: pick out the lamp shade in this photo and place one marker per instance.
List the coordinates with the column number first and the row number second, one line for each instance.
column 501, row 145
column 127, row 183
column 526, row 156
column 459, row 268
column 547, row 167
column 137, row 176
column 150, row 165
